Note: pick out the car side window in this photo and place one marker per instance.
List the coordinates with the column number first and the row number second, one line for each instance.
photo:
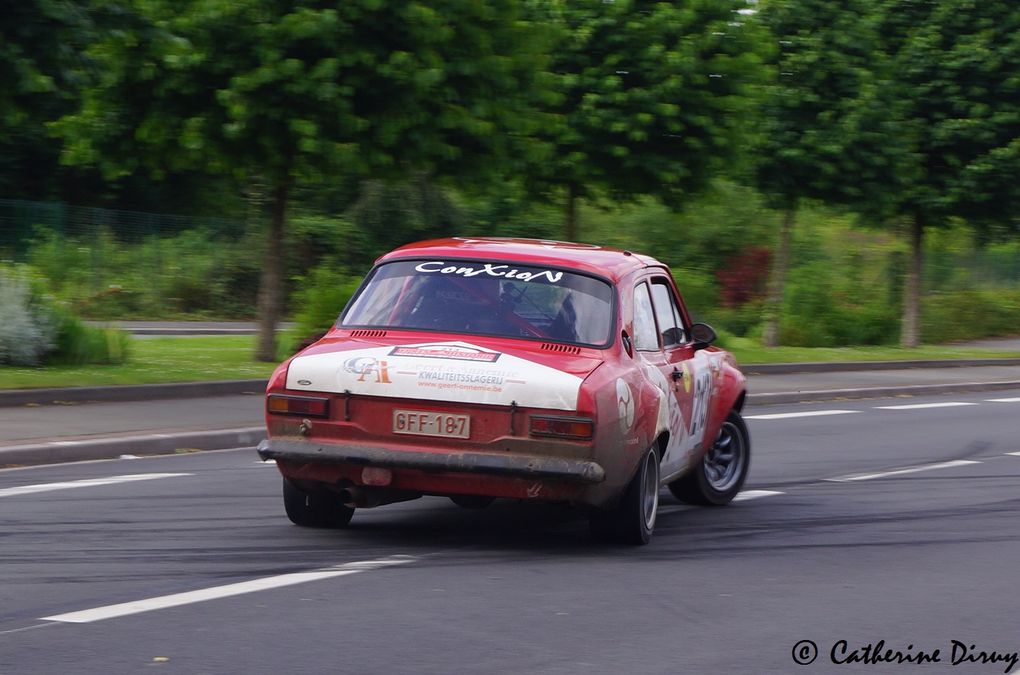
column 667, row 313
column 646, row 336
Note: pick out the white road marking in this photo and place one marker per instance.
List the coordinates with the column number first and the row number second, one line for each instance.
column 921, row 406
column 1003, row 400
column 88, row 482
column 900, row 472
column 755, row 494
column 741, row 497
column 806, row 413
column 266, row 462
column 1015, row 454
column 216, row 592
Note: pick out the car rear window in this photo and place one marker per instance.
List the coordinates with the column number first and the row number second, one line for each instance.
column 485, row 298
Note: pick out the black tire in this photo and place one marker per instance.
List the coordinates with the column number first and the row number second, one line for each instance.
column 633, row 519
column 473, row 502
column 721, row 473
column 314, row 509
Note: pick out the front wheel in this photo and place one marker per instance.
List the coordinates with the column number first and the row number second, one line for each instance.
column 717, row 479
column 633, row 520
column 314, row 509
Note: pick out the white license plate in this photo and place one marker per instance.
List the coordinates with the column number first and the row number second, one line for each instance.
column 418, row 423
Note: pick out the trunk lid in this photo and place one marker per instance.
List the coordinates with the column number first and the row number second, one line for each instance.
column 464, row 369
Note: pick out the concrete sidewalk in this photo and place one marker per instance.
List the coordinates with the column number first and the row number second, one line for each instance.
column 104, row 422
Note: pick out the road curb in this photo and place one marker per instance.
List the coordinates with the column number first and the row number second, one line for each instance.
column 131, row 392
column 54, row 452
column 149, row 392
column 849, row 366
column 810, row 396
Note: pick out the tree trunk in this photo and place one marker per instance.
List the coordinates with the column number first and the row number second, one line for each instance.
column 910, row 331
column 570, row 228
column 777, row 279
column 271, row 283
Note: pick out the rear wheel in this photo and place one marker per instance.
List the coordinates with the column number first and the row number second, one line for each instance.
column 314, row 509
column 633, row 520
column 717, row 479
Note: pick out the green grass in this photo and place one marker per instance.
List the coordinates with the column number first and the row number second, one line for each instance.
column 748, row 351
column 155, row 360
column 194, row 359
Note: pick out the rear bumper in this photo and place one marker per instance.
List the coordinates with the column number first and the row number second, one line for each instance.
column 510, row 465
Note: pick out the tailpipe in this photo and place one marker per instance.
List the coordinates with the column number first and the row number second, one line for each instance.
column 365, row 498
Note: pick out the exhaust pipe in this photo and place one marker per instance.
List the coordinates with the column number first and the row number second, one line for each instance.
column 359, row 497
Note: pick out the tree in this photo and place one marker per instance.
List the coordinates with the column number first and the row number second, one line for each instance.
column 276, row 90
column 819, row 137
column 952, row 69
column 40, row 42
column 651, row 98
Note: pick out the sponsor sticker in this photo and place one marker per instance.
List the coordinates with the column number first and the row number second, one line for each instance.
column 625, row 402
column 488, row 269
column 441, row 351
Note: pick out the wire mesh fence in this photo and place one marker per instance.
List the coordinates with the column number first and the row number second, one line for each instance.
column 120, row 264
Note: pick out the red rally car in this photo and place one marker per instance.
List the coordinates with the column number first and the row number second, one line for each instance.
column 528, row 369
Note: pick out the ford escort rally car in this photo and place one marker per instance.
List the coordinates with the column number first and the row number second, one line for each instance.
column 525, row 369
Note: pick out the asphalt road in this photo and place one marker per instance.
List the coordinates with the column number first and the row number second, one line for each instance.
column 862, row 523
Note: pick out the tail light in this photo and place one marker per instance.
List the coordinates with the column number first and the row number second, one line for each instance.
column 563, row 427
column 306, row 406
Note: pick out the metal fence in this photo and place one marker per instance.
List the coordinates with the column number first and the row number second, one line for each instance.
column 128, row 264
column 21, row 220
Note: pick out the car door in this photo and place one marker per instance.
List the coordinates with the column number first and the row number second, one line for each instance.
column 687, row 377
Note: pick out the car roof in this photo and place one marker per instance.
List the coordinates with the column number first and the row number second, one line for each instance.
column 603, row 261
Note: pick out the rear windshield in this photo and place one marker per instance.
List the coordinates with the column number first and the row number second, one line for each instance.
column 485, row 298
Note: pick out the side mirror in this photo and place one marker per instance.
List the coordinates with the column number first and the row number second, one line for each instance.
column 702, row 335
column 628, row 345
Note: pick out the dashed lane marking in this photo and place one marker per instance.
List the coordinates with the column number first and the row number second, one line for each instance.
column 805, row 413
column 900, row 472
column 755, row 494
column 1003, row 400
column 922, row 406
column 1015, row 454
column 741, row 497
column 217, row 592
column 88, row 482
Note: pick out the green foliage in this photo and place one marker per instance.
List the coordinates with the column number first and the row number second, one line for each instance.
column 192, row 273
column 651, row 96
column 826, row 133
column 26, row 330
column 388, row 214
column 78, row 343
column 320, row 298
column 35, row 329
column 967, row 314
column 306, row 88
column 954, row 69
column 826, row 309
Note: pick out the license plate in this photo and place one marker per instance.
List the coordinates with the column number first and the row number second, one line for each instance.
column 443, row 425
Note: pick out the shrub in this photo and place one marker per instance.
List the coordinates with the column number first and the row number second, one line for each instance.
column 972, row 313
column 320, row 297
column 77, row 343
column 26, row 329
column 35, row 329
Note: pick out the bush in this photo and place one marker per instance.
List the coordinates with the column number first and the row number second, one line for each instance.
column 78, row 343
column 34, row 329
column 829, row 307
column 26, row 329
column 320, row 297
column 969, row 314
